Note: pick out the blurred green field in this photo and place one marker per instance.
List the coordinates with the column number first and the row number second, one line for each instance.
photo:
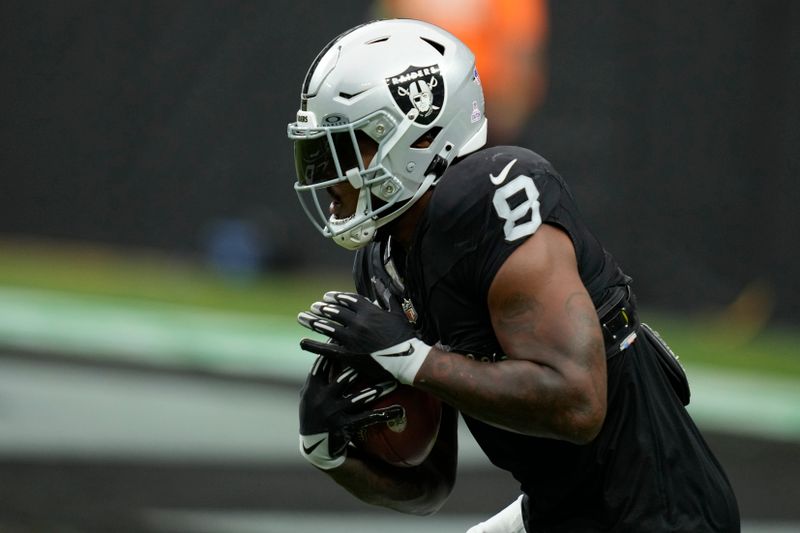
column 127, row 277
column 156, row 277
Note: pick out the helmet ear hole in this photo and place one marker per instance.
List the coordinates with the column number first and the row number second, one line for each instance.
column 367, row 145
column 427, row 138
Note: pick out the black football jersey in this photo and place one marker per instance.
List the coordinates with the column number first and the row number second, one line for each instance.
column 482, row 209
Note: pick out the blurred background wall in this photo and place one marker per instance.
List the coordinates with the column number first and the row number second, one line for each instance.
column 143, row 142
column 162, row 125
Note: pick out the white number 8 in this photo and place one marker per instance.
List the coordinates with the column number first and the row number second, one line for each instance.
column 512, row 216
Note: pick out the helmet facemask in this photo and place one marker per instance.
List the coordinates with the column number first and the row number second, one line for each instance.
column 327, row 156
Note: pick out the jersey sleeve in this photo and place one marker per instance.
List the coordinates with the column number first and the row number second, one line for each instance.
column 498, row 198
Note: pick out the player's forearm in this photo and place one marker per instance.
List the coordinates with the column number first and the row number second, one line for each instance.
column 517, row 395
column 419, row 490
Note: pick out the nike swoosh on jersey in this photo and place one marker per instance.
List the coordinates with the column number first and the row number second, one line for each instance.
column 308, row 450
column 500, row 178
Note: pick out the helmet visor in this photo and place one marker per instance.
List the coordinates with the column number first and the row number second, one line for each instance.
column 325, row 157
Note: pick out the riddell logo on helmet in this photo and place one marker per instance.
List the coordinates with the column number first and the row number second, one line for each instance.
column 419, row 92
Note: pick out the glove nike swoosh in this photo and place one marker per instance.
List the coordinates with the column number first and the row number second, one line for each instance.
column 398, row 350
column 309, row 449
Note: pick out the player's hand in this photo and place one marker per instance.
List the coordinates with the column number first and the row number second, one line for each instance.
column 330, row 416
column 364, row 333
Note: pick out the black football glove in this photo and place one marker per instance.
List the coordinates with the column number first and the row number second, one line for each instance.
column 363, row 332
column 330, row 415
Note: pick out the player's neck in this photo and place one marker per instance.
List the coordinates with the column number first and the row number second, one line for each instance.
column 402, row 229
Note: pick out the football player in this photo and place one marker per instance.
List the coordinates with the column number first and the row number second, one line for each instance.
column 493, row 295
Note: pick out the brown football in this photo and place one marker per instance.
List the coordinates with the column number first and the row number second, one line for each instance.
column 408, row 441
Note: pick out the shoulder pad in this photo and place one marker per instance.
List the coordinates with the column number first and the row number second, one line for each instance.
column 496, row 195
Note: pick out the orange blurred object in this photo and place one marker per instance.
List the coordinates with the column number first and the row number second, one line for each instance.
column 508, row 38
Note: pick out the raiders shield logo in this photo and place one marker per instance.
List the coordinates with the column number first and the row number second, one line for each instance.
column 419, row 92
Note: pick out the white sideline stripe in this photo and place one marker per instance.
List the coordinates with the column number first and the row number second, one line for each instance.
column 268, row 345
column 154, row 332
column 754, row 405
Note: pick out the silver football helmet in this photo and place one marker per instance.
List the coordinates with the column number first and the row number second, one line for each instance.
column 397, row 82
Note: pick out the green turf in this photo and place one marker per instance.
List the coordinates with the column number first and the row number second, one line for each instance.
column 137, row 277
column 94, row 270
column 702, row 341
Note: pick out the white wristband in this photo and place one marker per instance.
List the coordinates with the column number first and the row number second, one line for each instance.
column 403, row 360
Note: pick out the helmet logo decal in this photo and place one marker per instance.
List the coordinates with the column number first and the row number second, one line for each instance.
column 419, row 92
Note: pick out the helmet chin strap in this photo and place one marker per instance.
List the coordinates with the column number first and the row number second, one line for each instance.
column 363, row 233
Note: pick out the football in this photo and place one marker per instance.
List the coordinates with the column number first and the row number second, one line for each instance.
column 405, row 442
